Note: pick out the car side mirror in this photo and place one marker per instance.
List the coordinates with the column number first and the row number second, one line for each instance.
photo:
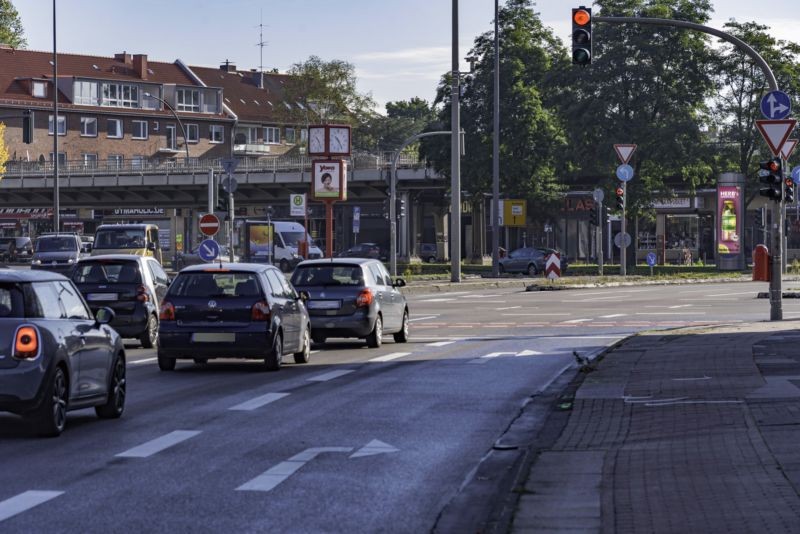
column 399, row 283
column 304, row 296
column 104, row 316
column 151, row 246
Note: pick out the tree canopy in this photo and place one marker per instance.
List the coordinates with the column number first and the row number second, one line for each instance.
column 11, row 32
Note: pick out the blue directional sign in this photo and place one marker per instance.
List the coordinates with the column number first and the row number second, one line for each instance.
column 651, row 258
column 208, row 250
column 776, row 105
column 625, row 172
column 796, row 175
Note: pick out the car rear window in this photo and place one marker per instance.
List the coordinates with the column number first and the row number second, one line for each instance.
column 56, row 244
column 107, row 272
column 328, row 275
column 11, row 301
column 215, row 284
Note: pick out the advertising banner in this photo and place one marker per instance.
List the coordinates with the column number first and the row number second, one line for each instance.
column 729, row 227
column 330, row 180
column 260, row 238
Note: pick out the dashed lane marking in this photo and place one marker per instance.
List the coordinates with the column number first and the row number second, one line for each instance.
column 25, row 501
column 330, row 376
column 441, row 343
column 389, row 357
column 159, row 444
column 578, row 320
column 258, row 402
column 613, row 315
column 146, row 360
column 423, row 318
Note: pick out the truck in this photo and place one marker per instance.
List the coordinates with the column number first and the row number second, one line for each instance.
column 282, row 243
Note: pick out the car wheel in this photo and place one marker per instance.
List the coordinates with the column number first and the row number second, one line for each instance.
column 284, row 266
column 149, row 337
column 51, row 417
column 319, row 339
column 305, row 348
column 402, row 335
column 532, row 270
column 274, row 359
column 166, row 364
column 115, row 404
column 201, row 361
column 375, row 338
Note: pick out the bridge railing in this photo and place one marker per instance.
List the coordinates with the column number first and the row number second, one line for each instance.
column 286, row 163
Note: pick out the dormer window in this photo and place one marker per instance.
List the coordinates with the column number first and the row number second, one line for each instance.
column 120, row 95
column 39, row 89
column 187, row 100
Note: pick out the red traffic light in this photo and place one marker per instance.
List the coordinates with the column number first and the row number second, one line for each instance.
column 789, row 182
column 620, row 191
column 581, row 17
column 774, row 166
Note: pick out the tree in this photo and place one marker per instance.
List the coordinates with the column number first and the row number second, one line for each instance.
column 403, row 119
column 11, row 32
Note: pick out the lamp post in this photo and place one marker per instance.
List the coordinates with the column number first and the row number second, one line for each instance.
column 183, row 130
column 455, row 160
column 56, row 194
column 496, row 149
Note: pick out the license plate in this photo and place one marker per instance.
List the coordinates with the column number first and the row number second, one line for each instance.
column 324, row 304
column 214, row 337
column 101, row 296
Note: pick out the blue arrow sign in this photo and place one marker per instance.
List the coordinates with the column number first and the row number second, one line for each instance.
column 625, row 172
column 776, row 105
column 796, row 175
column 208, row 250
column 651, row 259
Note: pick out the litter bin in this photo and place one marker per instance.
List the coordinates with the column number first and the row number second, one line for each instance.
column 761, row 262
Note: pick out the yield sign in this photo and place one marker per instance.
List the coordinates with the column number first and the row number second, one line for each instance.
column 788, row 148
column 776, row 132
column 624, row 152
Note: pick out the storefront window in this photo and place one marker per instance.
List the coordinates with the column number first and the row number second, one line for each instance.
column 647, row 235
column 681, row 231
column 793, row 229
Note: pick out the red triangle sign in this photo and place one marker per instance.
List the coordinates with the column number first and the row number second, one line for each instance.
column 624, row 152
column 776, row 132
column 788, row 148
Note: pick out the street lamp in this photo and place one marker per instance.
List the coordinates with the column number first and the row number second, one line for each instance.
column 183, row 130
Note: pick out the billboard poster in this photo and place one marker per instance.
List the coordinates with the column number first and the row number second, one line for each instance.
column 729, row 225
column 330, row 180
column 260, row 241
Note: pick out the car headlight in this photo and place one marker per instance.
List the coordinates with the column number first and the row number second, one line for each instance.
column 70, row 260
column 295, row 255
column 36, row 262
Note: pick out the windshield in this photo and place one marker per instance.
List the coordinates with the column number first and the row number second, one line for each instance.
column 215, row 284
column 55, row 244
column 328, row 275
column 292, row 238
column 115, row 238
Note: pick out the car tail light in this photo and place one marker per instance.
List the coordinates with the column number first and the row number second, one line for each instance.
column 364, row 298
column 260, row 311
column 167, row 311
column 26, row 343
column 141, row 294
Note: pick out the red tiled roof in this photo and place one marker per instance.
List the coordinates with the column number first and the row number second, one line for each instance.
column 244, row 97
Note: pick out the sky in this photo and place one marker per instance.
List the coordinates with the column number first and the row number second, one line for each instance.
column 400, row 48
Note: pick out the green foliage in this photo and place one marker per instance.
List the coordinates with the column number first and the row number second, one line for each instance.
column 404, row 118
column 11, row 31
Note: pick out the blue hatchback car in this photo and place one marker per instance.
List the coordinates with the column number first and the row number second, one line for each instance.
column 54, row 356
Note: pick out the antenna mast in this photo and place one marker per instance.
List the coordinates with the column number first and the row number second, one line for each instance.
column 261, row 42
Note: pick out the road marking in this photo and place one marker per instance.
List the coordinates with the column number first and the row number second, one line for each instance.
column 273, row 476
column 330, row 376
column 441, row 343
column 730, row 294
column 389, row 357
column 671, row 313
column 372, row 448
column 25, row 501
column 486, row 357
column 528, row 353
column 146, row 360
column 533, row 314
column 159, row 444
column 510, row 308
column 484, row 296
column 438, row 300
column 613, row 315
column 258, row 402
column 423, row 318
column 577, row 321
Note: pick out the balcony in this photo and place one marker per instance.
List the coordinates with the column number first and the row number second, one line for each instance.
column 251, row 150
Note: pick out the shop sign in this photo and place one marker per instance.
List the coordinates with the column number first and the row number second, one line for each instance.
column 136, row 212
column 672, row 203
column 579, row 204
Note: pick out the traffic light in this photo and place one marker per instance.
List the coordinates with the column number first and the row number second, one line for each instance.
column 402, row 208
column 27, row 126
column 770, row 173
column 581, row 36
column 788, row 191
column 620, row 198
column 760, row 212
column 222, row 198
column 386, row 209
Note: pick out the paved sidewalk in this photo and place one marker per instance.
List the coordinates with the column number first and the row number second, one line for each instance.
column 696, row 430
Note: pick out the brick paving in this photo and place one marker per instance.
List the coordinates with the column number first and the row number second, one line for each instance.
column 689, row 431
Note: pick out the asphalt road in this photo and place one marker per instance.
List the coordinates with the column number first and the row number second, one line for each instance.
column 358, row 440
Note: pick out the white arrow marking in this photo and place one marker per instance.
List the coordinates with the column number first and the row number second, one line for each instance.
column 529, row 353
column 25, row 501
column 486, row 357
column 374, row 447
column 277, row 474
column 159, row 444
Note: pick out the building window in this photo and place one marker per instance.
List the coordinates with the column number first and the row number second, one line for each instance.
column 138, row 161
column 115, row 161
column 115, row 128
column 252, row 135
column 62, row 158
column 39, row 89
column 272, row 135
column 62, row 125
column 89, row 160
column 192, row 133
column 172, row 138
column 85, row 93
column 88, row 127
column 681, row 231
column 216, row 133
column 290, row 135
column 187, row 100
column 304, row 136
column 139, row 130
column 120, row 95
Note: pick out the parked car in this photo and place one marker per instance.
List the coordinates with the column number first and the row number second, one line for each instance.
column 184, row 259
column 133, row 286
column 428, row 252
column 58, row 252
column 236, row 310
column 16, row 249
column 87, row 243
column 529, row 260
column 365, row 250
column 56, row 356
column 352, row 297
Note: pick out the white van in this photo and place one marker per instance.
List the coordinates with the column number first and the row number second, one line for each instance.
column 284, row 249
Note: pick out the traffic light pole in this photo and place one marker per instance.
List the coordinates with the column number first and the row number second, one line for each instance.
column 623, row 253
column 776, row 267
column 599, row 234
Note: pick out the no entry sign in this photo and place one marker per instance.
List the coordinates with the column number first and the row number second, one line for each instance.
column 209, row 224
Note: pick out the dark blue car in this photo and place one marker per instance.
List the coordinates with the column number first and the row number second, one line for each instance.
column 54, row 355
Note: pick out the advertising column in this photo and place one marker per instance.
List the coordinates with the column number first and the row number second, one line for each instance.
column 730, row 222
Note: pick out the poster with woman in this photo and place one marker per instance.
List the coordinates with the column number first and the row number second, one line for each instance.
column 330, row 180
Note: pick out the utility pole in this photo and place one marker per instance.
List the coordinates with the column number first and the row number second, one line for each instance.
column 455, row 160
column 496, row 149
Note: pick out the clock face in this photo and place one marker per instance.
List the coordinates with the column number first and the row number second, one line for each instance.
column 316, row 140
column 340, row 140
